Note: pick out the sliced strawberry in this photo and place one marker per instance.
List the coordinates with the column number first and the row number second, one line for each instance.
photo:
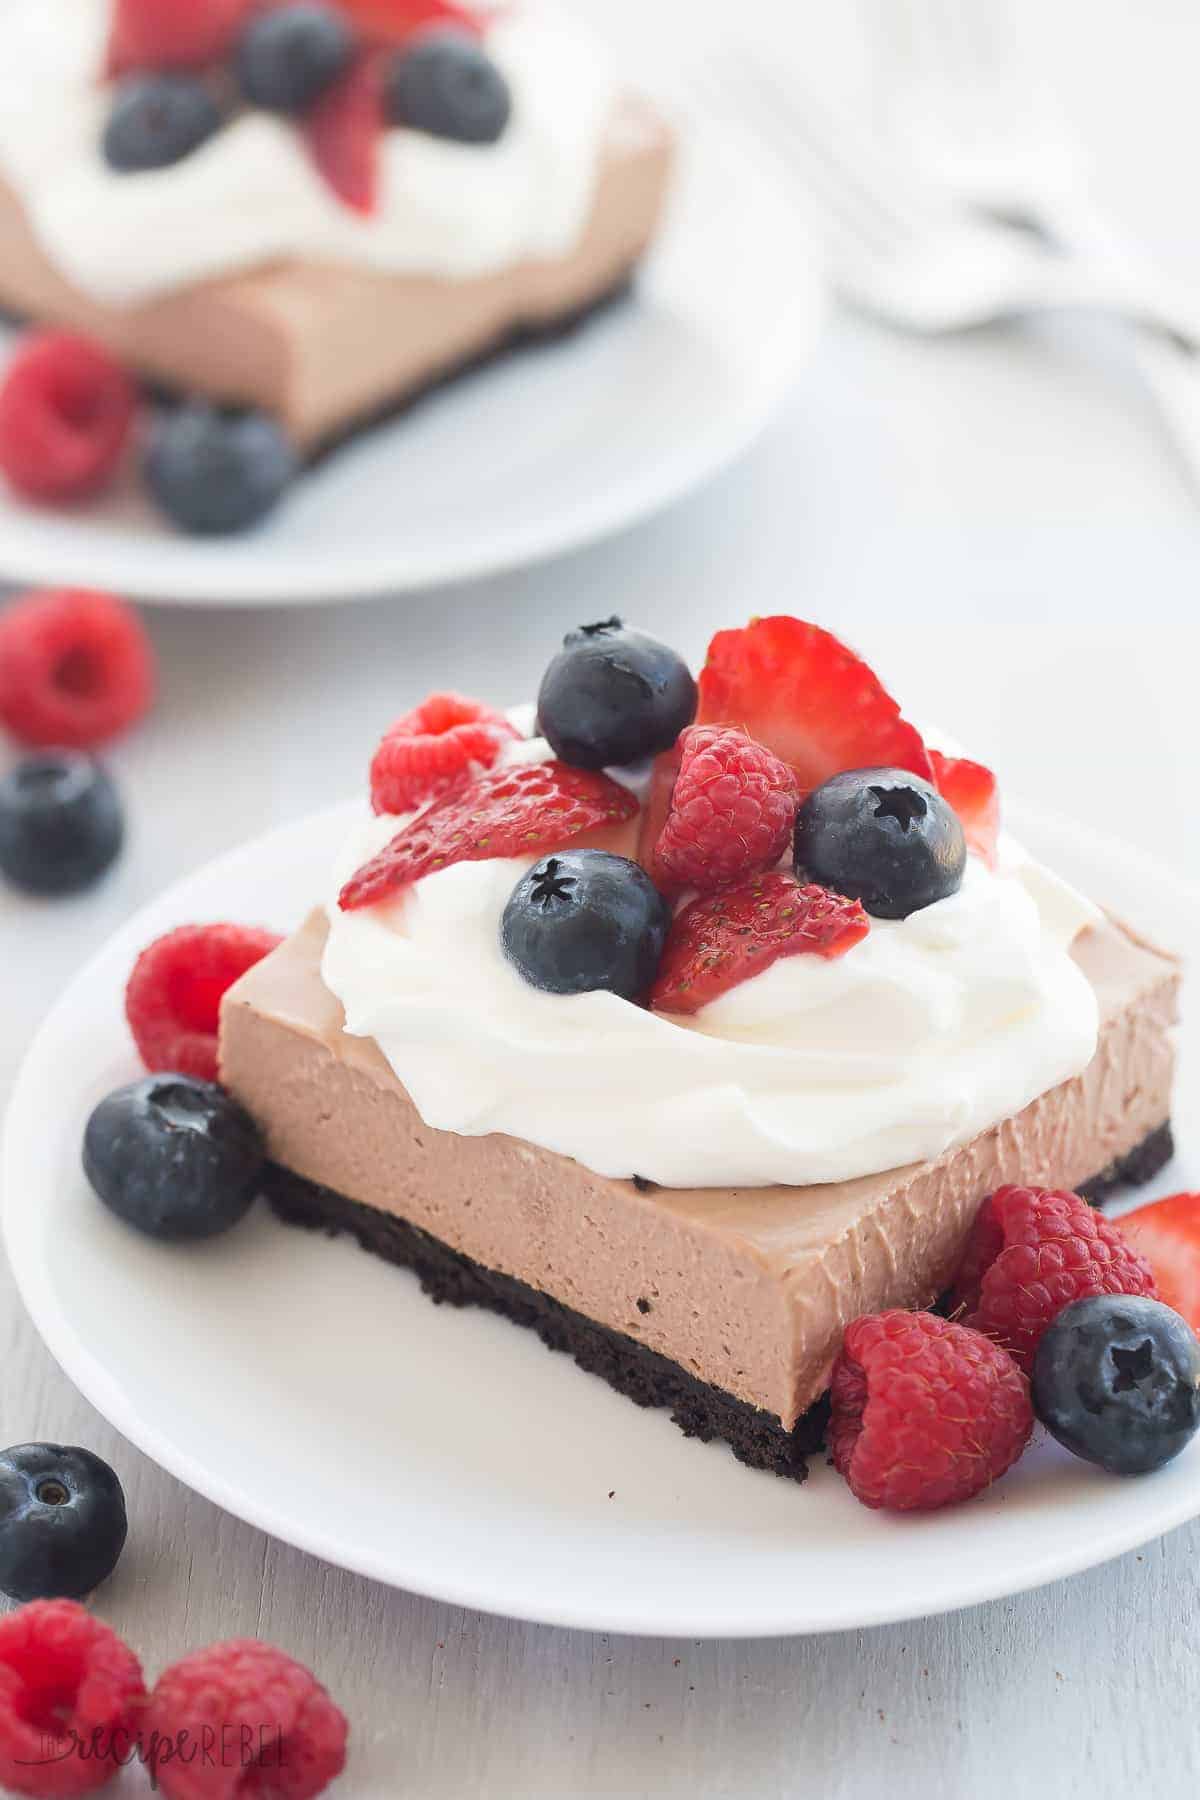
column 1167, row 1233
column 721, row 940
column 972, row 792
column 343, row 129
column 800, row 692
column 172, row 34
column 391, row 21
column 506, row 812
column 657, row 803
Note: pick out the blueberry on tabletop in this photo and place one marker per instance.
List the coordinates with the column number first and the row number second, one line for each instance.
column 584, row 920
column 61, row 824
column 215, row 472
column 613, row 695
column 884, row 837
column 173, row 1156
column 446, row 84
column 1116, row 1379
column 288, row 57
column 157, row 120
column 62, row 1521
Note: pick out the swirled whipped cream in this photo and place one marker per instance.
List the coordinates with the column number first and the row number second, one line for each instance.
column 930, row 1030
column 251, row 194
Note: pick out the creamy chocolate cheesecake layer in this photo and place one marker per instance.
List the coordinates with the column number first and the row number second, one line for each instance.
column 747, row 1290
column 325, row 347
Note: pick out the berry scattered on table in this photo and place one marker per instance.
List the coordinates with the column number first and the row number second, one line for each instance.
column 445, row 83
column 343, row 128
column 243, row 1693
column 721, row 940
column 173, row 997
column 810, row 699
column 65, row 1678
column 1167, row 1234
column 435, row 748
column 175, row 1157
column 76, row 669
column 520, row 811
column 215, row 472
column 613, row 696
column 925, row 1412
column 288, row 57
column 1031, row 1253
column 584, row 920
column 67, row 411
column 731, row 813
column 173, row 34
column 61, row 824
column 1116, row 1379
column 973, row 793
column 62, row 1521
column 157, row 120
column 884, row 837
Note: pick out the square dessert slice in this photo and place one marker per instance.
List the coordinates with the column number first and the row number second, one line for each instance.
column 727, row 1305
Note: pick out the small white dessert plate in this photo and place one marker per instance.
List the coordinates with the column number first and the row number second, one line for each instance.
column 315, row 1392
column 537, row 454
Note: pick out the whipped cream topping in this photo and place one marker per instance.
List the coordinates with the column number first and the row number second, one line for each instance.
column 251, row 194
column 927, row 1032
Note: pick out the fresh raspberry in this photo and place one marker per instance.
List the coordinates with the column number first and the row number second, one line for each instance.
column 731, row 813
column 796, row 689
column 270, row 1728
column 507, row 812
column 1167, row 1234
column 173, row 34
column 721, row 940
column 343, row 128
column 431, row 750
column 972, row 792
column 70, row 1694
column 67, row 409
column 925, row 1412
column 173, row 998
column 1032, row 1252
column 76, row 669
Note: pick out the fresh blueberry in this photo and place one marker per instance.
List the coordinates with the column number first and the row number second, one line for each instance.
column 583, row 920
column 62, row 1522
column 157, row 120
column 884, row 837
column 1116, row 1379
column 174, row 1156
column 215, row 472
column 61, row 824
column 445, row 83
column 287, row 58
column 613, row 695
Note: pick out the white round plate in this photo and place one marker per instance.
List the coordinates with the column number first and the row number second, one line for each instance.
column 536, row 454
column 314, row 1391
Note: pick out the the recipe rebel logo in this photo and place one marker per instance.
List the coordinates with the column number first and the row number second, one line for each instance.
column 229, row 1747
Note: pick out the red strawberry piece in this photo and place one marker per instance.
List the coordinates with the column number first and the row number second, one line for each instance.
column 272, row 1729
column 173, row 999
column 67, row 410
column 925, row 1412
column 802, row 693
column 391, row 21
column 173, row 34
column 507, row 812
column 70, row 1694
column 1167, row 1234
column 435, row 748
column 657, row 803
column 731, row 813
column 1033, row 1251
column 972, row 792
column 76, row 669
column 723, row 939
column 343, row 129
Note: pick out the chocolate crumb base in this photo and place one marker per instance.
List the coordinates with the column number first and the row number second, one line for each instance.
column 1141, row 1164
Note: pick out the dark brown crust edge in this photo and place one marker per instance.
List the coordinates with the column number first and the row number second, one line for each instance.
column 700, row 1410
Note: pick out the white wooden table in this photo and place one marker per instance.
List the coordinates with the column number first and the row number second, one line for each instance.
column 999, row 522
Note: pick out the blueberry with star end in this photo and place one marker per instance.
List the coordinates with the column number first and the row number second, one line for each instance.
column 881, row 836
column 289, row 56
column 62, row 1521
column 157, row 120
column 61, row 824
column 216, row 472
column 585, row 920
column 175, row 1157
column 1116, row 1379
column 445, row 83
column 614, row 695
